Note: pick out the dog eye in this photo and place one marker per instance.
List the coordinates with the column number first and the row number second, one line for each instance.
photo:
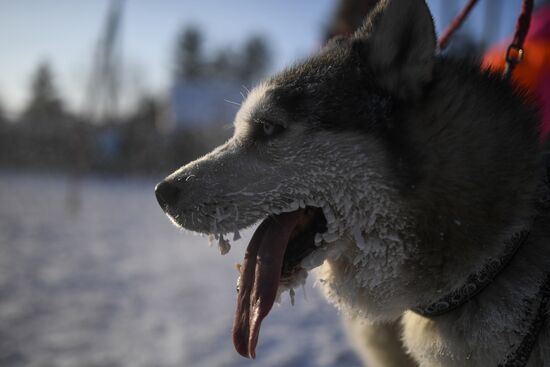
column 271, row 128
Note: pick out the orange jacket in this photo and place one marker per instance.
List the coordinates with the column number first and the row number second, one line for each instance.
column 533, row 73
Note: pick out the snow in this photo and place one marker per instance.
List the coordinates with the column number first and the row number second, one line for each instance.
column 116, row 284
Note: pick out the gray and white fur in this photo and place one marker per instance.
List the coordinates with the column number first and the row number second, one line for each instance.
column 423, row 167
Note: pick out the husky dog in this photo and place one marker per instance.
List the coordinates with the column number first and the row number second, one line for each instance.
column 410, row 180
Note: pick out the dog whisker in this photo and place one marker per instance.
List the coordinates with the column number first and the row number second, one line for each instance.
column 232, row 102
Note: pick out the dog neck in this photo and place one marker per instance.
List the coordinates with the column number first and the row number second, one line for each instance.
column 476, row 282
column 512, row 306
column 519, row 357
column 386, row 267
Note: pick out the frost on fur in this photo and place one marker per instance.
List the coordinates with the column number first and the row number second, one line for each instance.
column 364, row 225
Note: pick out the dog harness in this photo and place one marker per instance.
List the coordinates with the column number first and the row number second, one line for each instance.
column 475, row 282
column 520, row 353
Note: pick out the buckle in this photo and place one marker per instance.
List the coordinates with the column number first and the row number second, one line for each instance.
column 514, row 54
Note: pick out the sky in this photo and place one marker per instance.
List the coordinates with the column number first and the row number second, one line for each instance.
column 65, row 32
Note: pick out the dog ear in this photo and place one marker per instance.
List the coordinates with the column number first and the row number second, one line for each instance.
column 398, row 44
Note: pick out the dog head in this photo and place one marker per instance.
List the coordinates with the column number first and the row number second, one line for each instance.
column 328, row 154
column 306, row 136
column 308, row 158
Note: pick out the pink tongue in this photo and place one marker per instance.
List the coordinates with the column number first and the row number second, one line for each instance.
column 260, row 279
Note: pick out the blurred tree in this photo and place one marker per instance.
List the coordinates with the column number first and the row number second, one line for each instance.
column 2, row 113
column 189, row 62
column 244, row 66
column 140, row 146
column 223, row 65
column 255, row 59
column 4, row 144
column 147, row 112
column 45, row 103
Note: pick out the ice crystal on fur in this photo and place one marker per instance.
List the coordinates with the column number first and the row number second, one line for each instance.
column 298, row 280
column 365, row 226
column 224, row 245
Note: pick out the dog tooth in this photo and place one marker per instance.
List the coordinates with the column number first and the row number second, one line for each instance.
column 313, row 260
column 331, row 222
column 329, row 215
column 330, row 227
column 211, row 239
column 330, row 237
column 318, row 239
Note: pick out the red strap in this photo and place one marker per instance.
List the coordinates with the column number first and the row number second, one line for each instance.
column 457, row 22
column 524, row 21
column 514, row 53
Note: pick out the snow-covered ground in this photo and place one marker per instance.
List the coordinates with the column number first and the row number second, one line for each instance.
column 115, row 284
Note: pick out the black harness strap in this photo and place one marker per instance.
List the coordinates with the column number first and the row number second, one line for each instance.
column 519, row 356
column 476, row 282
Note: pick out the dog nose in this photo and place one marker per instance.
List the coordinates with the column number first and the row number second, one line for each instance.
column 166, row 193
